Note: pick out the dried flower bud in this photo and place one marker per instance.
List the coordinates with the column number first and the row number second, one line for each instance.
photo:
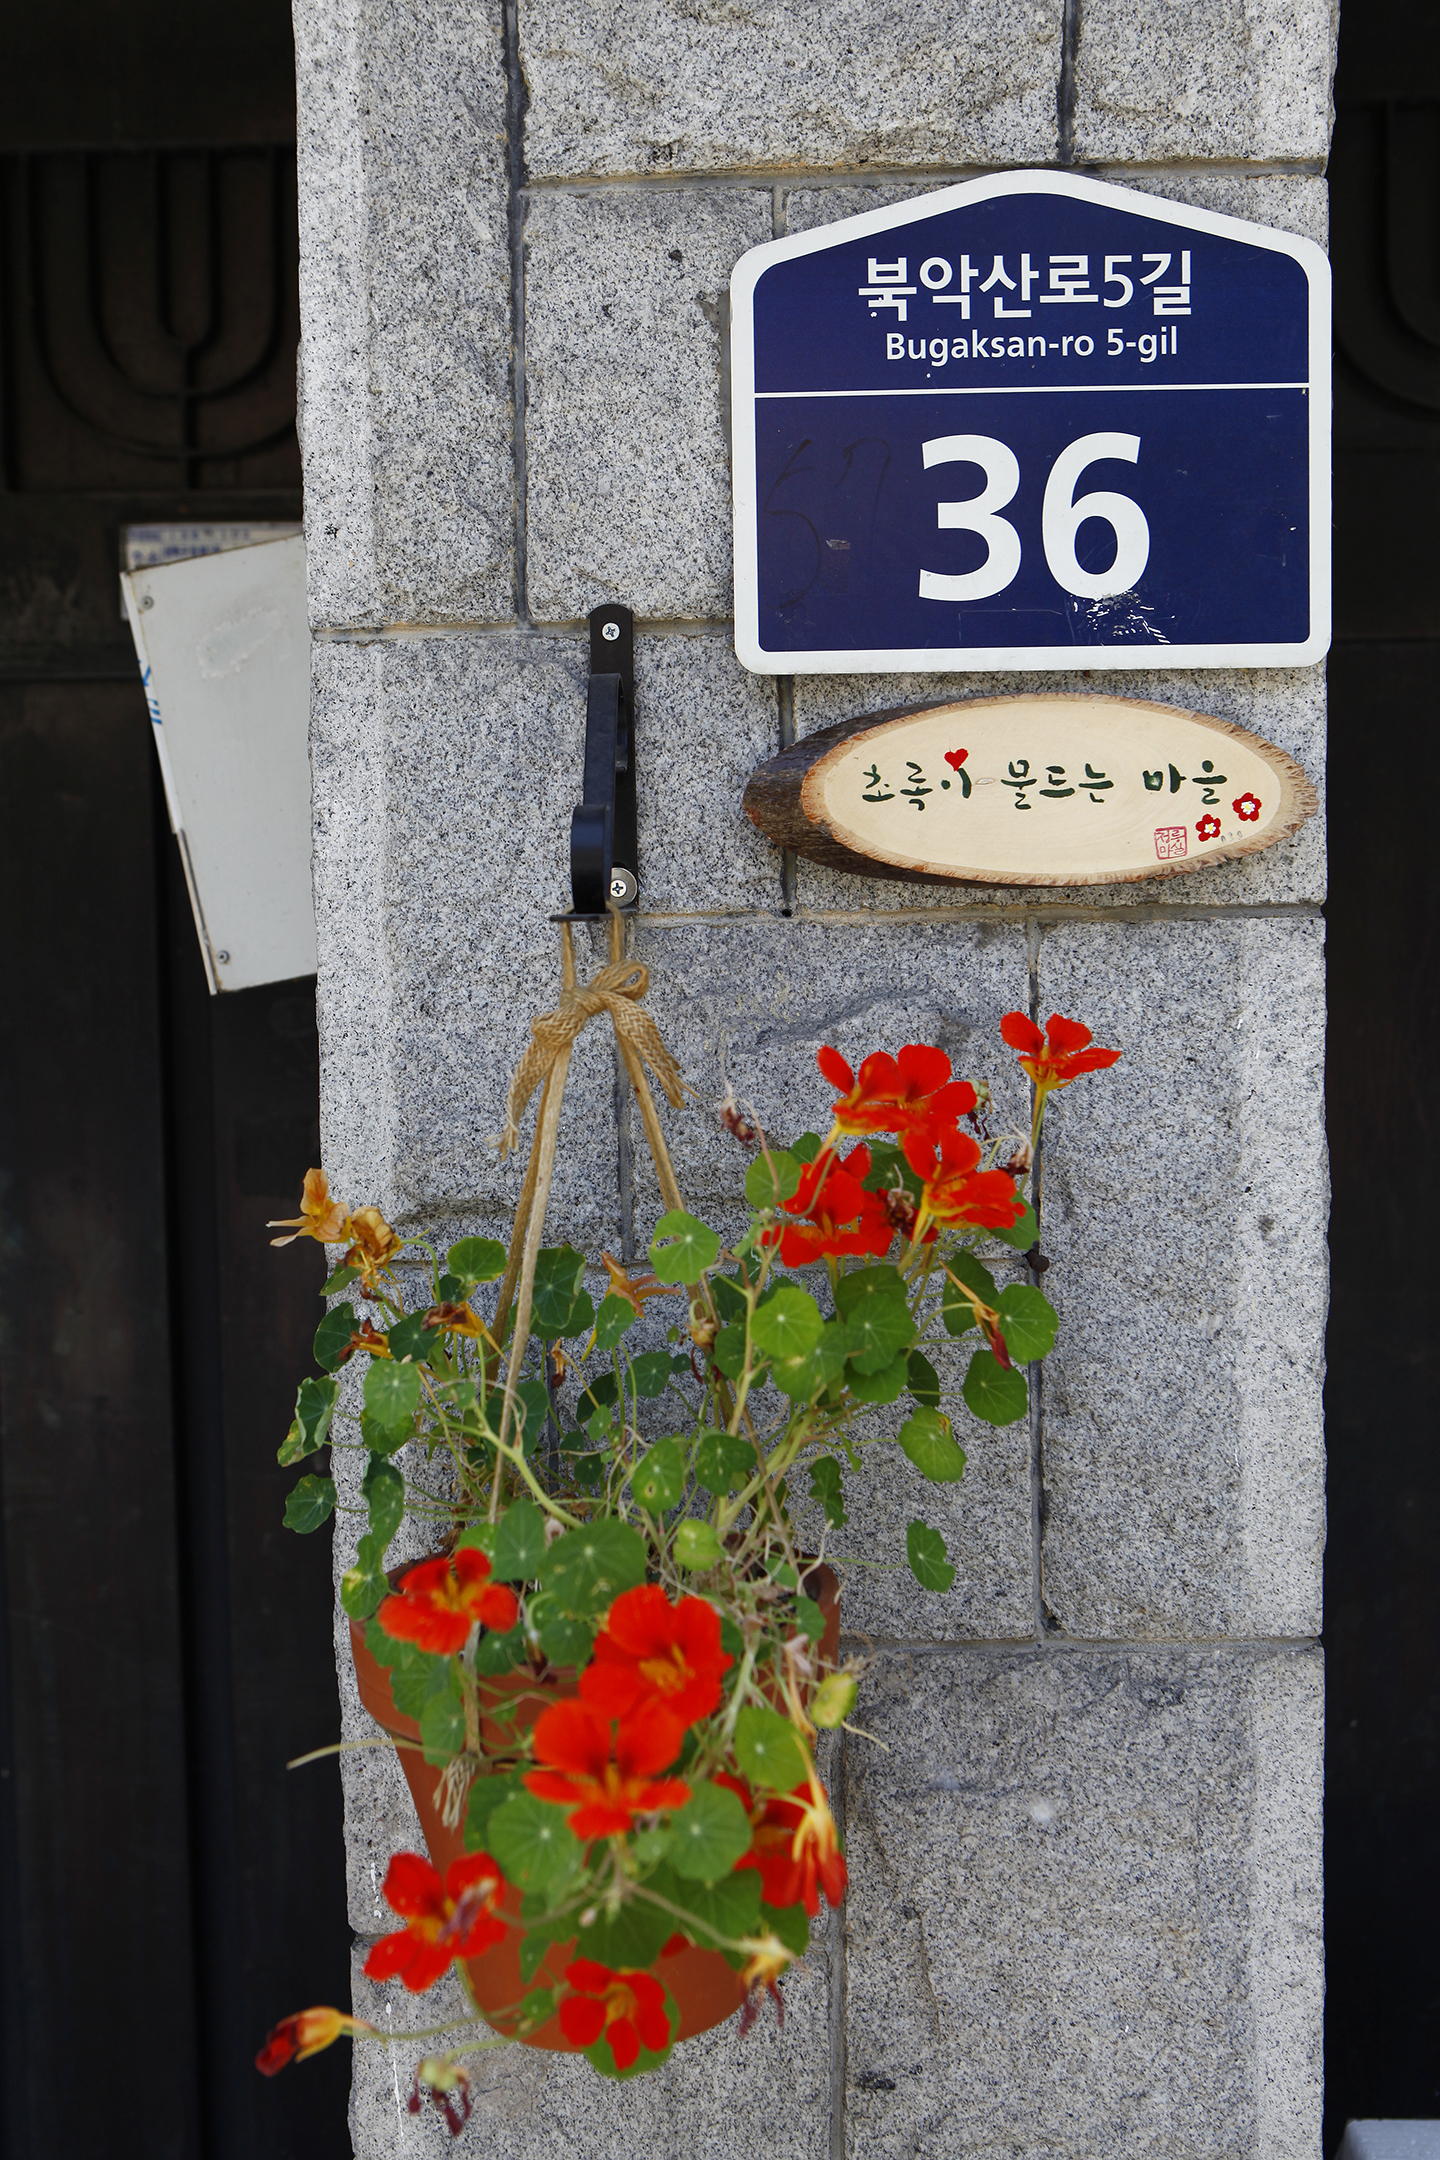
column 702, row 1330
column 735, row 1121
column 899, row 1207
column 1019, row 1163
column 834, row 1700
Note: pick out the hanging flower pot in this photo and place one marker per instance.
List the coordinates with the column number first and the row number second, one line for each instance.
column 607, row 1689
column 705, row 1987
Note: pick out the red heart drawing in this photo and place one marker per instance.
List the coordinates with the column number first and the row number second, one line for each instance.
column 956, row 758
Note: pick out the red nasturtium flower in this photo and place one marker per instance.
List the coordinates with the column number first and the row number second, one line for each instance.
column 320, row 1217
column 305, row 2034
column 439, row 1602
column 650, row 1651
column 443, row 1920
column 892, row 1094
column 1058, row 1056
column 954, row 1191
column 794, row 1844
column 836, row 1213
column 627, row 2007
column 604, row 1773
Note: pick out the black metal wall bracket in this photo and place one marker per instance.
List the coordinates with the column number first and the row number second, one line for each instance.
column 604, row 855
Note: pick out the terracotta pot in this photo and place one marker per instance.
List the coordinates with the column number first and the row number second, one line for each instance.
column 706, row 1989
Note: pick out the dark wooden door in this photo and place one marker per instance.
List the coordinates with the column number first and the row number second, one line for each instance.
column 167, row 1890
column 1382, row 1613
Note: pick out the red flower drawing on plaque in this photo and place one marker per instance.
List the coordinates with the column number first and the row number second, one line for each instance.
column 1208, row 827
column 1247, row 807
column 956, row 758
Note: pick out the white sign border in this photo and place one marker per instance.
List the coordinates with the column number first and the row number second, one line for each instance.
column 932, row 660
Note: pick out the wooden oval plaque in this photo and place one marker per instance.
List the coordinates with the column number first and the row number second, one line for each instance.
column 1043, row 789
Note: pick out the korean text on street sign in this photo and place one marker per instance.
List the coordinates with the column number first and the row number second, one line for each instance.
column 1031, row 422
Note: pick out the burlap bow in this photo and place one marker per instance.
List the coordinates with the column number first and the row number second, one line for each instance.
column 617, row 990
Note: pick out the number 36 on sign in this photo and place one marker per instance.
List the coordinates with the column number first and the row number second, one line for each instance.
column 962, row 440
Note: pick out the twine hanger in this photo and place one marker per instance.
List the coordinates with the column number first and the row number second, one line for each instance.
column 617, row 990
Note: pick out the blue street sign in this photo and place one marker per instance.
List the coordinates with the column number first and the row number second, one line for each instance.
column 1031, row 422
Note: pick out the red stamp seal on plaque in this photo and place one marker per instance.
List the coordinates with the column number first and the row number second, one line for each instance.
column 1170, row 841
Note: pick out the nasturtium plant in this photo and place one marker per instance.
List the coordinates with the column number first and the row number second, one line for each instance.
column 609, row 1670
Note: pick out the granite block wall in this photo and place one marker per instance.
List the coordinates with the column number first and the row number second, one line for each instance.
column 1085, row 1915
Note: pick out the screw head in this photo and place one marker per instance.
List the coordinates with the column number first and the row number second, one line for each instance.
column 148, row 601
column 223, row 957
column 609, row 631
column 623, row 887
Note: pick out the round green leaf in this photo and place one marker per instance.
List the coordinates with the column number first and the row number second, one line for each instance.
column 588, row 1567
column 787, row 1324
column 925, row 1550
column 878, row 1325
column 519, row 1542
column 616, row 1314
column 475, row 1260
column 309, row 1503
column 930, row 1444
column 883, row 1386
column 442, row 1725
column 315, row 1402
column 709, row 1834
column 558, row 1269
column 724, row 1462
column 767, row 1749
column 697, row 1546
column 803, row 1378
column 384, row 1491
column 860, row 1285
column 565, row 1640
column 660, row 1479
column 995, row 1392
column 827, row 1485
column 410, row 1338
column 533, row 1843
column 922, row 1380
column 682, row 1247
column 651, row 1372
column 1028, row 1322
column 333, row 1335
column 500, row 1653
column 392, row 1394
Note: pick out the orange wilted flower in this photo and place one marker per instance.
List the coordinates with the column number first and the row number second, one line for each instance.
column 761, row 1976
column 838, row 1215
column 320, row 1217
column 461, row 1319
column 794, row 1844
column 1058, row 1056
column 305, row 2034
column 954, row 1191
column 635, row 1289
column 375, row 1243
column 606, row 1774
column 650, row 1651
column 447, row 2083
column 439, row 1602
column 627, row 2007
column 446, row 1919
column 893, row 1094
